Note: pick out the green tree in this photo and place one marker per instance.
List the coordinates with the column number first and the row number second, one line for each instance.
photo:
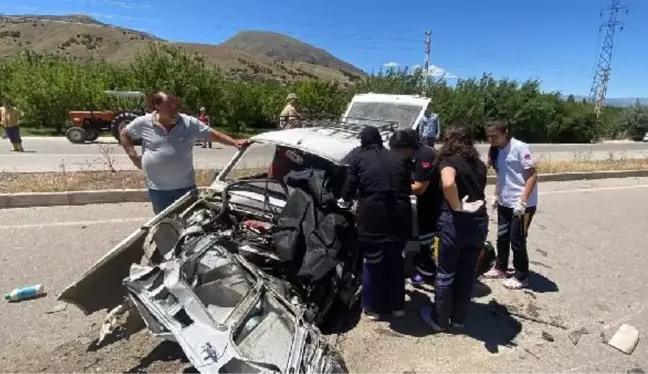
column 634, row 120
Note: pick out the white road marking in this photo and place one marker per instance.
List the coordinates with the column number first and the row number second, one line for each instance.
column 595, row 189
column 74, row 223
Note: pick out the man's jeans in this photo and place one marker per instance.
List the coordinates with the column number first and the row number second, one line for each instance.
column 162, row 199
column 13, row 133
column 512, row 236
column 429, row 141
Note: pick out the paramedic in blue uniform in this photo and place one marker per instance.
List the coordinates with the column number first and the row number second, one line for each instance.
column 516, row 198
column 463, row 226
column 426, row 187
column 380, row 180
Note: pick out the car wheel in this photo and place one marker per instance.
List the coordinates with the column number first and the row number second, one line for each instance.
column 92, row 135
column 76, row 135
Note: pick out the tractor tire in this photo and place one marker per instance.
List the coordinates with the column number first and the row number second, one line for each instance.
column 76, row 135
column 120, row 121
column 92, row 135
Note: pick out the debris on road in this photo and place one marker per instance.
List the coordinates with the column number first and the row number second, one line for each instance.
column 531, row 353
column 547, row 336
column 497, row 308
column 575, row 335
column 625, row 339
column 25, row 293
column 58, row 308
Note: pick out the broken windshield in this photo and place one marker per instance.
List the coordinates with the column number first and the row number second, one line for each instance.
column 364, row 113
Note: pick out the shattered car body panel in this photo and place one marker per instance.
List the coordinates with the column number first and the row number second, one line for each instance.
column 225, row 317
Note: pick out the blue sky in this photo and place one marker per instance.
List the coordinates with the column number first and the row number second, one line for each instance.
column 556, row 41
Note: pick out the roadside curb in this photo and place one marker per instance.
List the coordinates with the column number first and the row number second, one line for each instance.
column 33, row 199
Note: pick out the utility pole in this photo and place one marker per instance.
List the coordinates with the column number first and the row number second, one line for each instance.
column 428, row 41
column 598, row 91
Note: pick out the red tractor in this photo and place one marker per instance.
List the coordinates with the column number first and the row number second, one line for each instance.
column 88, row 125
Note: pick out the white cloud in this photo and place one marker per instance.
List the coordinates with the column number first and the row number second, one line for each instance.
column 435, row 72
column 391, row 65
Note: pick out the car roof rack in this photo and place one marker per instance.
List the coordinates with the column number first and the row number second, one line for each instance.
column 352, row 126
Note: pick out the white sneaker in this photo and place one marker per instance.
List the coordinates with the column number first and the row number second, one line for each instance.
column 516, row 284
column 372, row 316
column 494, row 273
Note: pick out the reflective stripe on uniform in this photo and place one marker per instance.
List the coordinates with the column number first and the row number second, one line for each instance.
column 373, row 257
column 444, row 280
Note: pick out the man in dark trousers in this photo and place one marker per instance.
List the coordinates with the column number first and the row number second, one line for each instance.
column 426, row 187
column 380, row 180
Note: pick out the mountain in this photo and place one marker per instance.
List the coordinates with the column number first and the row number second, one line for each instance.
column 80, row 37
column 285, row 48
column 615, row 101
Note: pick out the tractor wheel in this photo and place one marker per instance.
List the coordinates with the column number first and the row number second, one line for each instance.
column 76, row 135
column 92, row 135
column 120, row 121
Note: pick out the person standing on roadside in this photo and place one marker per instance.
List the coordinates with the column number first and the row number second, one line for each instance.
column 463, row 227
column 204, row 118
column 380, row 180
column 426, row 186
column 429, row 128
column 290, row 114
column 516, row 199
column 167, row 148
column 10, row 118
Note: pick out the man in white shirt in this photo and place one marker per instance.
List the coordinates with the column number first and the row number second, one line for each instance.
column 516, row 199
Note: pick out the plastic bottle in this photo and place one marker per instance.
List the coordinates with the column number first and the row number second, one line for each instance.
column 25, row 293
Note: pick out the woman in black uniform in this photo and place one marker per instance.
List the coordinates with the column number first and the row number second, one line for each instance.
column 426, row 187
column 380, row 180
column 463, row 226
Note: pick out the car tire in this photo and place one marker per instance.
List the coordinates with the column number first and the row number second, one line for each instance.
column 92, row 135
column 120, row 121
column 76, row 135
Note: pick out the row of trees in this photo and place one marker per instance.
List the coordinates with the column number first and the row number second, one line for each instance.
column 47, row 87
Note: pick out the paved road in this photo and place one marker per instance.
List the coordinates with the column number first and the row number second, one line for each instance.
column 587, row 248
column 56, row 154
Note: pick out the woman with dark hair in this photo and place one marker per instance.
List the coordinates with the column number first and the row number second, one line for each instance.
column 462, row 227
column 380, row 180
column 427, row 188
column 516, row 198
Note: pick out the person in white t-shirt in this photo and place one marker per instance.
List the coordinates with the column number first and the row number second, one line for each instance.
column 516, row 199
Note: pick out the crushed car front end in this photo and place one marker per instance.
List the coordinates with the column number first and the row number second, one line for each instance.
column 225, row 274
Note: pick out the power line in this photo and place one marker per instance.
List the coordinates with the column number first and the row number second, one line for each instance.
column 598, row 91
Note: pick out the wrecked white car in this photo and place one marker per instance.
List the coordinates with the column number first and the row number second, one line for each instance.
column 243, row 275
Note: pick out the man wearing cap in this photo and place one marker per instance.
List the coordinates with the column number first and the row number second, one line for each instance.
column 204, row 118
column 167, row 148
column 290, row 113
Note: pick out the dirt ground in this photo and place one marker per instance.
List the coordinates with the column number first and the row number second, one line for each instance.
column 141, row 353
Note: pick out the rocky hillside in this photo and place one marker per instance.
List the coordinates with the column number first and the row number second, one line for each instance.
column 285, row 48
column 262, row 54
